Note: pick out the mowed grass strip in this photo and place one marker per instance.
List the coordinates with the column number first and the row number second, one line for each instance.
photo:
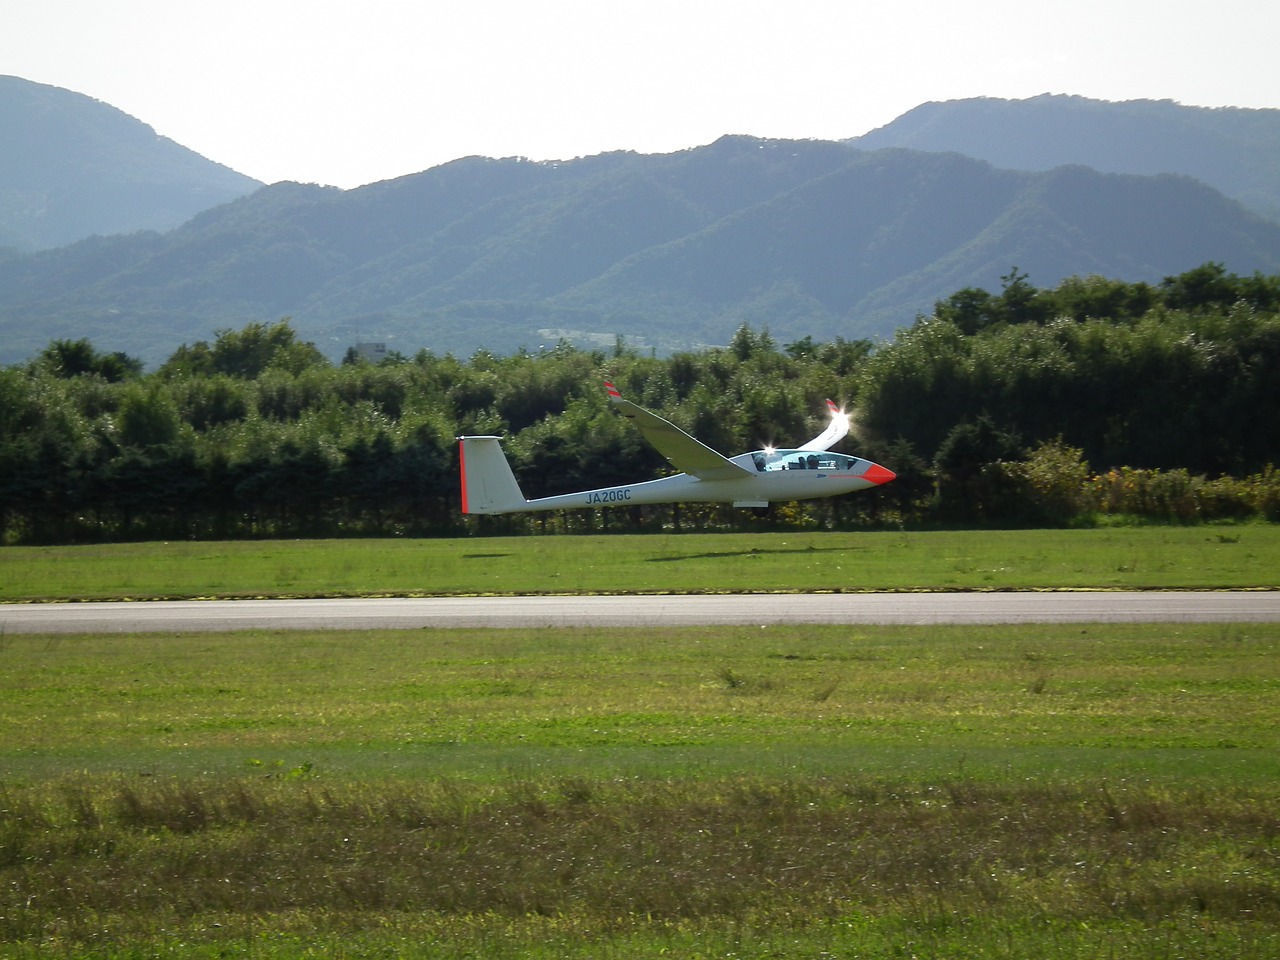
column 1198, row 557
column 473, row 703
column 962, row 791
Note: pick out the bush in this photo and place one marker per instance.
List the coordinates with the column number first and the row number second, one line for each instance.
column 1177, row 495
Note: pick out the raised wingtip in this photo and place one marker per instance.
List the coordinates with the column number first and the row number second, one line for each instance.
column 613, row 391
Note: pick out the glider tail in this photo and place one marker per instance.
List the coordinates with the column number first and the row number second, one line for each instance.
column 488, row 485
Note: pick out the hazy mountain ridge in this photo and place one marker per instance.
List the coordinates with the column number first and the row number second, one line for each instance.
column 864, row 249
column 809, row 238
column 81, row 167
column 1235, row 150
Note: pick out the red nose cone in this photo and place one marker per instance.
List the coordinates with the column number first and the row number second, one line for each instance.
column 878, row 474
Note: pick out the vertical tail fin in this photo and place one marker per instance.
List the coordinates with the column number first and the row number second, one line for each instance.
column 488, row 485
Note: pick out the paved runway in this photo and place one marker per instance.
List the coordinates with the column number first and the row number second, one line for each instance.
column 869, row 608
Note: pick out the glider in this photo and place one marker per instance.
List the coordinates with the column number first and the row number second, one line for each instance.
column 753, row 479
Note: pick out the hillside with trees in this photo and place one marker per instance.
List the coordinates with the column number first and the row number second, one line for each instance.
column 1233, row 150
column 672, row 251
column 1024, row 405
column 73, row 167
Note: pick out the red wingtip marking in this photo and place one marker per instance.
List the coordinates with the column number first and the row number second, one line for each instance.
column 878, row 474
column 613, row 391
column 462, row 472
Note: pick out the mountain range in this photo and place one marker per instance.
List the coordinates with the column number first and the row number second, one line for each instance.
column 72, row 167
column 809, row 238
column 1236, row 151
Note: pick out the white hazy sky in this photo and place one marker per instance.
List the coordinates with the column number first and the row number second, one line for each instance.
column 346, row 93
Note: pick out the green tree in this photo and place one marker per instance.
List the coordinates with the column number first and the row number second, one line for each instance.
column 1021, row 302
column 1094, row 297
column 971, row 483
column 148, row 417
column 246, row 353
column 970, row 310
column 79, row 358
column 1205, row 286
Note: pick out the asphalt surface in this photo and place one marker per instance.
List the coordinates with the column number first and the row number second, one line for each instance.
column 756, row 609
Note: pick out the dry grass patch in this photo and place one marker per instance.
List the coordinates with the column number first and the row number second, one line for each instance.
column 746, row 850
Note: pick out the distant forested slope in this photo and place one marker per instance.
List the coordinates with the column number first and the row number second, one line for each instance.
column 1234, row 150
column 807, row 238
column 72, row 167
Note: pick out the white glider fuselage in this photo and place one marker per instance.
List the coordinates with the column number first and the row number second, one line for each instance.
column 748, row 480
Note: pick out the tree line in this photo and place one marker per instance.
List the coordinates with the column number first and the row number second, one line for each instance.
column 1024, row 406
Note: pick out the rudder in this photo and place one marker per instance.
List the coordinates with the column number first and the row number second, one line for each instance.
column 488, row 485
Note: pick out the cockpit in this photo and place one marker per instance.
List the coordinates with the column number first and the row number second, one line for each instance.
column 768, row 460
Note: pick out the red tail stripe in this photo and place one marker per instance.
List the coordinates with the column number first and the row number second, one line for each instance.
column 462, row 470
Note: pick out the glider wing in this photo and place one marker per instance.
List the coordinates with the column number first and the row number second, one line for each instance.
column 683, row 452
column 836, row 431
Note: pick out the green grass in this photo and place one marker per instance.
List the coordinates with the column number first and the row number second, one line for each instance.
column 1076, row 791
column 1113, row 558
column 968, row 792
column 479, row 703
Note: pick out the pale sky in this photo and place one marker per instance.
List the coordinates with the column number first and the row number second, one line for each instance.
column 347, row 93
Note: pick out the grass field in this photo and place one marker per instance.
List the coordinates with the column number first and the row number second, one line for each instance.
column 969, row 792
column 1131, row 558
column 716, row 792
